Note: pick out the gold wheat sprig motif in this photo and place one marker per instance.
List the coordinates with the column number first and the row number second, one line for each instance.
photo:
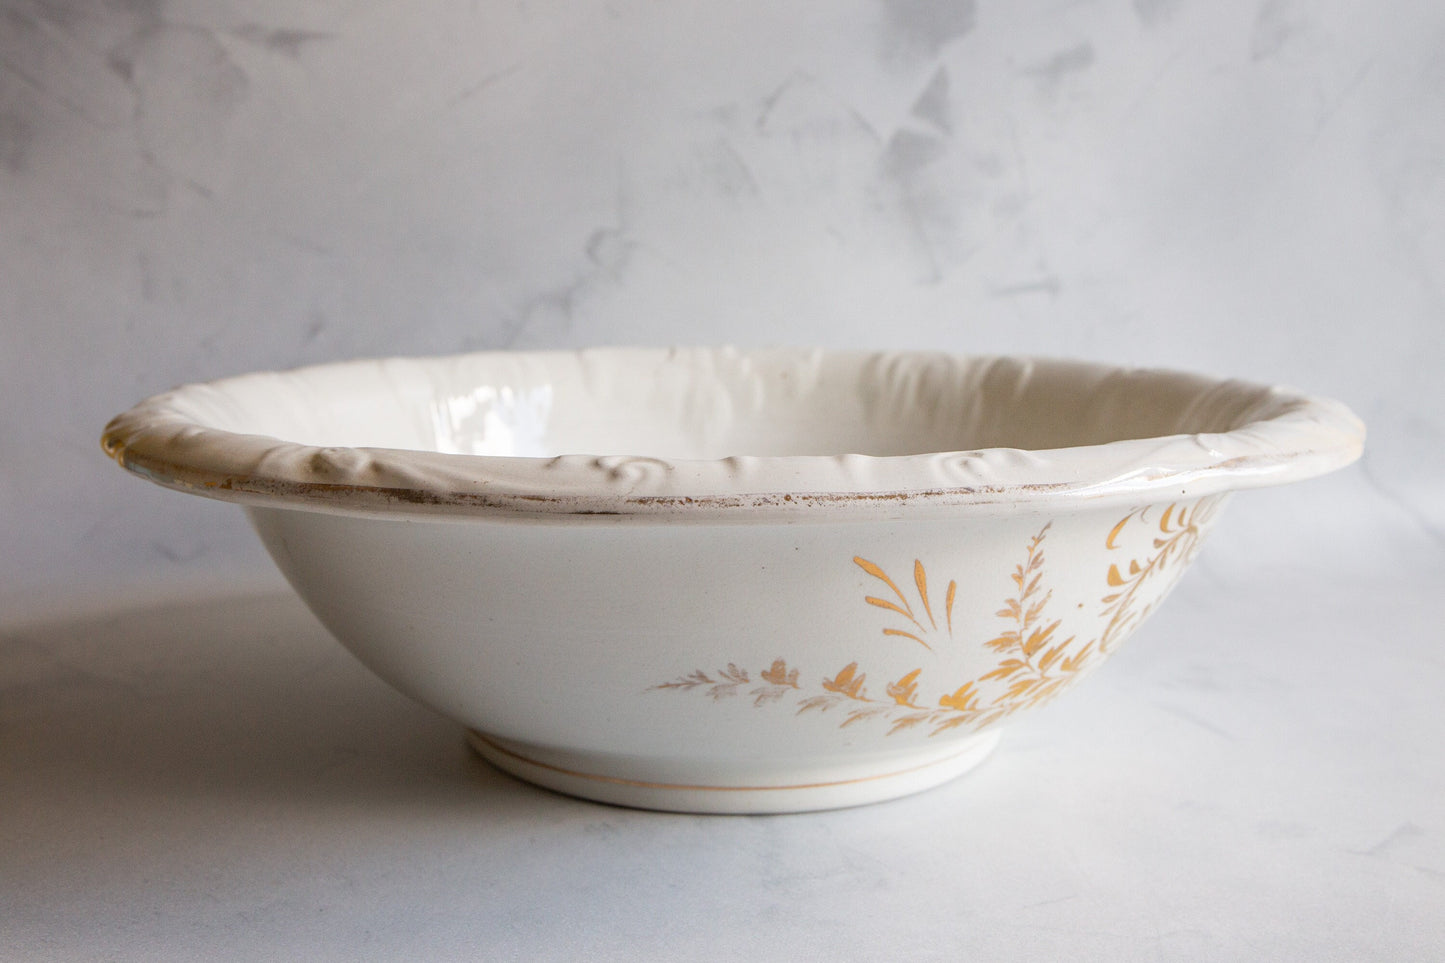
column 1035, row 663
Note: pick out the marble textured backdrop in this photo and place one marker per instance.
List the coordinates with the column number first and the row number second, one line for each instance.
column 193, row 188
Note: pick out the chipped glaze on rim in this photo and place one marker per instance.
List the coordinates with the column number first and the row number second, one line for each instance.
column 1275, row 435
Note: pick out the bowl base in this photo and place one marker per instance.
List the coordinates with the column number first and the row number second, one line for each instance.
column 585, row 775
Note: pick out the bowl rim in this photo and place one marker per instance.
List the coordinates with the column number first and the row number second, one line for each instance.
column 1289, row 436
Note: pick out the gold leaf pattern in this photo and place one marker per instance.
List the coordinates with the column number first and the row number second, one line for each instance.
column 905, row 689
column 1034, row 663
column 848, row 682
column 779, row 674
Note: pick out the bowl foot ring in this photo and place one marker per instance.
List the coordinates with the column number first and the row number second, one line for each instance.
column 852, row 785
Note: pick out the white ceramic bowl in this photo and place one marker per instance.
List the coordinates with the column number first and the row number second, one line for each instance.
column 726, row 581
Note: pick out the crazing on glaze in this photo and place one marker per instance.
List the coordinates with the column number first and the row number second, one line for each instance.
column 1034, row 663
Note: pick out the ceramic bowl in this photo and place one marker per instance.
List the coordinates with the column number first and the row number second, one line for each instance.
column 728, row 581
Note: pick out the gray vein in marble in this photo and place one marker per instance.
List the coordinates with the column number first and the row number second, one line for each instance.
column 178, row 555
column 1054, row 901
column 1021, row 163
column 1339, row 100
column 610, row 250
column 173, row 177
column 46, row 91
column 1415, row 513
column 727, row 171
column 59, row 51
column 802, row 104
column 554, row 309
column 170, row 87
column 149, row 289
column 910, row 151
column 1057, row 68
column 933, row 105
column 1275, row 25
column 315, row 326
column 306, row 244
column 779, row 94
column 188, row 121
column 1153, row 13
column 1402, row 836
column 16, row 134
column 1048, row 284
column 496, row 76
column 1150, row 87
column 924, row 27
column 289, row 42
column 1195, row 720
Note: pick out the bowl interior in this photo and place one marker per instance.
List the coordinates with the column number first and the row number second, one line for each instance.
column 710, row 404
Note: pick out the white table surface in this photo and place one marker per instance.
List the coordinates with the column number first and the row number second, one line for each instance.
column 1259, row 775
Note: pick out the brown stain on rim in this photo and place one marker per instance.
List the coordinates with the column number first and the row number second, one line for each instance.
column 365, row 499
column 524, row 503
column 351, row 498
column 142, row 440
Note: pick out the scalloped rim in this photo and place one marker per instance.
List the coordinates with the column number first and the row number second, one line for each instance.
column 1289, row 437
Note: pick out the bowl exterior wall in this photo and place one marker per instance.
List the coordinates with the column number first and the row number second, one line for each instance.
column 735, row 658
